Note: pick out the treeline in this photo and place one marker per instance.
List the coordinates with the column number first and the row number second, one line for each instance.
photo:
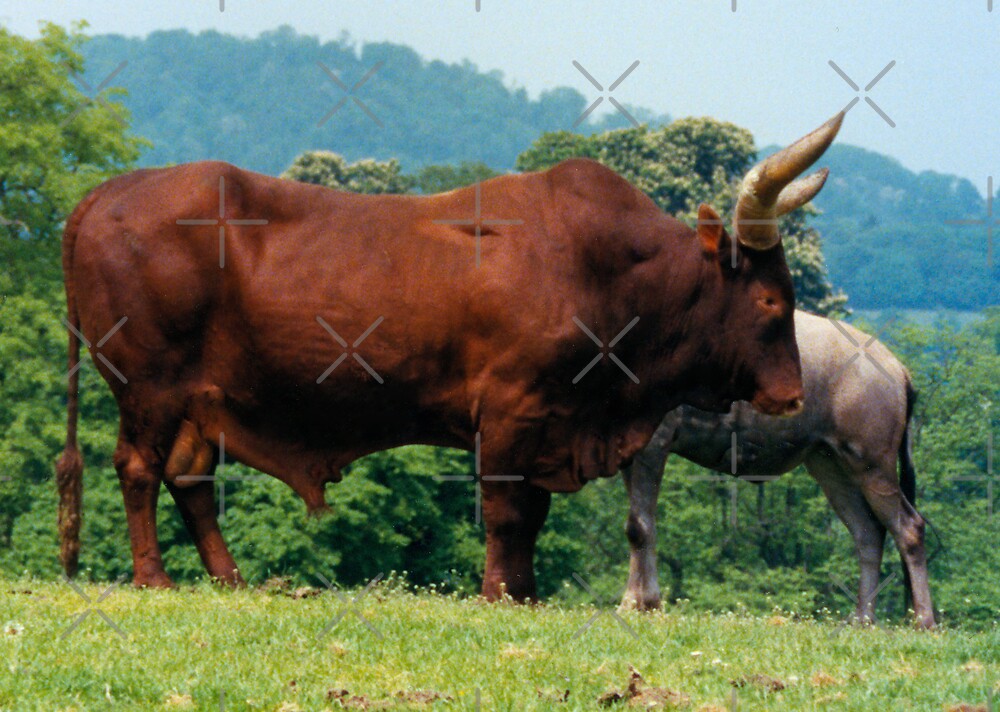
column 889, row 234
column 260, row 102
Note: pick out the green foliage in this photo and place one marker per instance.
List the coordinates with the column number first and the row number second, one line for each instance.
column 441, row 178
column 57, row 144
column 365, row 176
column 892, row 238
column 686, row 163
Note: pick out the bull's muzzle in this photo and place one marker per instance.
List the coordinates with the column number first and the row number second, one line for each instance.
column 783, row 406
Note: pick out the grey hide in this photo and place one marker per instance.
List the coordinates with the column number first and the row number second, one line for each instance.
column 853, row 428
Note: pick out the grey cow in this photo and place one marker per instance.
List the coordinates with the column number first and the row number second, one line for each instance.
column 853, row 427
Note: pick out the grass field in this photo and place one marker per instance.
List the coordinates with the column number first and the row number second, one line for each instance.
column 205, row 648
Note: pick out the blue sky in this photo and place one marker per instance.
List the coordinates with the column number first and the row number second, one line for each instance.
column 764, row 66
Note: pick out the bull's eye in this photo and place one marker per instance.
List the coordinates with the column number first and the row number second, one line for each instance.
column 769, row 305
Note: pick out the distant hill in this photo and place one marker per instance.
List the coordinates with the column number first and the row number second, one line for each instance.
column 260, row 102
column 890, row 240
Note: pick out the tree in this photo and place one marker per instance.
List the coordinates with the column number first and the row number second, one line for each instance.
column 57, row 144
column 333, row 171
column 686, row 163
column 439, row 178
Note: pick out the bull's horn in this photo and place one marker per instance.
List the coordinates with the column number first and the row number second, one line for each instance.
column 801, row 191
column 757, row 207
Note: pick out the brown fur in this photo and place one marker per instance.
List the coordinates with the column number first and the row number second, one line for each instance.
column 461, row 349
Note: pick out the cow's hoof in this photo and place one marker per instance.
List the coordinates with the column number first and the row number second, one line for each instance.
column 631, row 602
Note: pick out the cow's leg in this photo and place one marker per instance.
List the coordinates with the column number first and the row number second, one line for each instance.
column 140, row 475
column 642, row 481
column 881, row 490
column 197, row 507
column 849, row 503
column 514, row 513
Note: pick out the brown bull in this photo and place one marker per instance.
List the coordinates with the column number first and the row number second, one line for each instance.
column 853, row 427
column 308, row 327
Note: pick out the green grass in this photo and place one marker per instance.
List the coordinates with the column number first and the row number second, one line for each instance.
column 189, row 648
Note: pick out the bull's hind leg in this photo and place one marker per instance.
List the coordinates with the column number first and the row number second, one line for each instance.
column 881, row 490
column 197, row 506
column 190, row 477
column 848, row 501
column 514, row 513
column 140, row 474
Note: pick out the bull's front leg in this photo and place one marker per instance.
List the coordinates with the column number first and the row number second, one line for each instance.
column 514, row 512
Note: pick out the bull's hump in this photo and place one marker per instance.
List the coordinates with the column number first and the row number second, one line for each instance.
column 618, row 223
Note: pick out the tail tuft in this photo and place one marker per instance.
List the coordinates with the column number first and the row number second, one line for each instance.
column 69, row 479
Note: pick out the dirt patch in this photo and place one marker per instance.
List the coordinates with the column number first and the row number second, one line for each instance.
column 823, row 679
column 639, row 694
column 347, row 701
column 765, row 682
column 552, row 695
column 966, row 707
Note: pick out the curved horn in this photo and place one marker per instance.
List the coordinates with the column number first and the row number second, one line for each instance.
column 757, row 207
column 801, row 191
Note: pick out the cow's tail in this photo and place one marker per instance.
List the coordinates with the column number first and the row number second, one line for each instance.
column 69, row 467
column 907, row 472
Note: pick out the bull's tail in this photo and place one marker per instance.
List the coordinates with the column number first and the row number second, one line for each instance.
column 908, row 473
column 69, row 467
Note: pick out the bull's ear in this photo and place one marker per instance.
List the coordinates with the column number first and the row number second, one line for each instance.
column 710, row 230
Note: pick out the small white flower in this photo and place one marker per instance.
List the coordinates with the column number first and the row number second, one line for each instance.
column 12, row 628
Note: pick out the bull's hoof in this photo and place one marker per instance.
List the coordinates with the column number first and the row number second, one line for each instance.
column 231, row 580
column 154, row 580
